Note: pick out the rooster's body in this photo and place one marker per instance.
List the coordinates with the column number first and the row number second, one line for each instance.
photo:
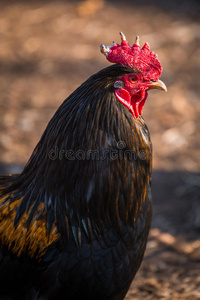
column 74, row 223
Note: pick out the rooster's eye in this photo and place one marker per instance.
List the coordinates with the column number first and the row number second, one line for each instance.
column 132, row 79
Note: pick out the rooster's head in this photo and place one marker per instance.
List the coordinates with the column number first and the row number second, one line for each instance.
column 132, row 89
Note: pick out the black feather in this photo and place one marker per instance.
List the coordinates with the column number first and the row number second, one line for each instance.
column 91, row 118
column 100, row 206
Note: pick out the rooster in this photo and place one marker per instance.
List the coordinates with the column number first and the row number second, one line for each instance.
column 74, row 224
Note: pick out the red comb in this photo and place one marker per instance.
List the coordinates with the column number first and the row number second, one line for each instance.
column 135, row 57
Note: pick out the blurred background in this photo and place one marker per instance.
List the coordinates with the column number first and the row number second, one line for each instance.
column 48, row 48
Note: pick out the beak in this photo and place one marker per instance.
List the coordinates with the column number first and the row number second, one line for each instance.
column 159, row 85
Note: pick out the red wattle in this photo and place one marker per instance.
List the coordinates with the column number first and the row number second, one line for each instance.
column 136, row 109
column 141, row 104
column 134, row 103
column 125, row 98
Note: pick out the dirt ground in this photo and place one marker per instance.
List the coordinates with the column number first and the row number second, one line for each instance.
column 48, row 48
